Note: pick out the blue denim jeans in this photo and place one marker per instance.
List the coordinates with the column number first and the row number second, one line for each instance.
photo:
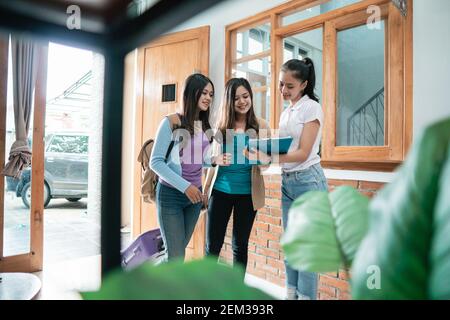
column 177, row 217
column 293, row 185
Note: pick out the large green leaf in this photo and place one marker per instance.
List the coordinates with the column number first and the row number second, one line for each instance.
column 196, row 280
column 325, row 230
column 439, row 284
column 405, row 254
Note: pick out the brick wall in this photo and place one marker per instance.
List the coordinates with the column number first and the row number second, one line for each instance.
column 265, row 257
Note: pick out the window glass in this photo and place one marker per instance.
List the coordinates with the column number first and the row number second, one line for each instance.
column 252, row 41
column 69, row 144
column 303, row 14
column 360, row 92
column 307, row 44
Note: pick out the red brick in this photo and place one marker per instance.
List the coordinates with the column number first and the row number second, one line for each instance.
column 336, row 283
column 259, row 242
column 274, row 245
column 276, row 280
column 275, row 178
column 264, row 210
column 275, row 194
column 261, row 226
column 276, row 212
column 268, row 235
column 251, row 248
column 256, row 257
column 336, row 183
column 269, row 219
column 327, row 290
column 267, row 268
column 275, row 229
column 323, row 296
column 368, row 194
column 344, row 275
column 370, row 185
column 331, row 274
column 272, row 186
column 273, row 203
column 344, row 295
column 268, row 253
column 227, row 255
column 275, row 263
column 257, row 272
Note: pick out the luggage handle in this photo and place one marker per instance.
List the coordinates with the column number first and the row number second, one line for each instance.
column 131, row 256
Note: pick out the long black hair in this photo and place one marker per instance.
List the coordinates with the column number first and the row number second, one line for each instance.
column 228, row 117
column 193, row 89
column 303, row 70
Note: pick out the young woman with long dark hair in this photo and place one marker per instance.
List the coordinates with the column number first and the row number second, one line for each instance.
column 179, row 195
column 236, row 185
column 301, row 169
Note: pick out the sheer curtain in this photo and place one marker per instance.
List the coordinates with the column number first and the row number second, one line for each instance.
column 24, row 65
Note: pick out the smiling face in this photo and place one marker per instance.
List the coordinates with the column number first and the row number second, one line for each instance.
column 204, row 102
column 242, row 100
column 290, row 87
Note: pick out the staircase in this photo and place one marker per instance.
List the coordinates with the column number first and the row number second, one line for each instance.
column 366, row 126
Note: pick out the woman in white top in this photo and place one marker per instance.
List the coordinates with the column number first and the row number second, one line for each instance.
column 301, row 170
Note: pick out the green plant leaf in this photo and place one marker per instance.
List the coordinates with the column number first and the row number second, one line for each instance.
column 405, row 254
column 439, row 284
column 325, row 230
column 197, row 280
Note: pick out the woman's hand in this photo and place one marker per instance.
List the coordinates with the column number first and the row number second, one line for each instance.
column 205, row 201
column 194, row 194
column 256, row 155
column 223, row 159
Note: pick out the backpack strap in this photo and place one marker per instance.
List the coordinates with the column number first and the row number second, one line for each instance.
column 175, row 122
column 169, row 150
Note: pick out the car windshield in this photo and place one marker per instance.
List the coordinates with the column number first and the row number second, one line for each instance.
column 68, row 144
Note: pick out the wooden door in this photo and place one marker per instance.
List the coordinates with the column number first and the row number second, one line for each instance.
column 166, row 61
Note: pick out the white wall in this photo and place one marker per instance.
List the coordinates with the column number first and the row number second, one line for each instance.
column 431, row 62
column 218, row 17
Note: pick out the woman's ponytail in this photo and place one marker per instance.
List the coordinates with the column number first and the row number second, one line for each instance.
column 309, row 90
column 303, row 70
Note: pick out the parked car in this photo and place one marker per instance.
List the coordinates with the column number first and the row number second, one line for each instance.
column 66, row 169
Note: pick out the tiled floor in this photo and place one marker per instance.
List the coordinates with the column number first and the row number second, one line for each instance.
column 64, row 280
column 72, row 248
column 69, row 232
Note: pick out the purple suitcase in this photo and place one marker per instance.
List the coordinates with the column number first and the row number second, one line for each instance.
column 148, row 246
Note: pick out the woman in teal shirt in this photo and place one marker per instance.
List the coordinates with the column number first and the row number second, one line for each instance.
column 236, row 185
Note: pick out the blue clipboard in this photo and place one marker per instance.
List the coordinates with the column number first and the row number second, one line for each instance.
column 271, row 146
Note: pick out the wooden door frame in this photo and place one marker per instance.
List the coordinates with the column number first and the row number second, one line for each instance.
column 201, row 34
column 33, row 260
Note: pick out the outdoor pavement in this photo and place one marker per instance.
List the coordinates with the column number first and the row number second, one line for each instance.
column 69, row 232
